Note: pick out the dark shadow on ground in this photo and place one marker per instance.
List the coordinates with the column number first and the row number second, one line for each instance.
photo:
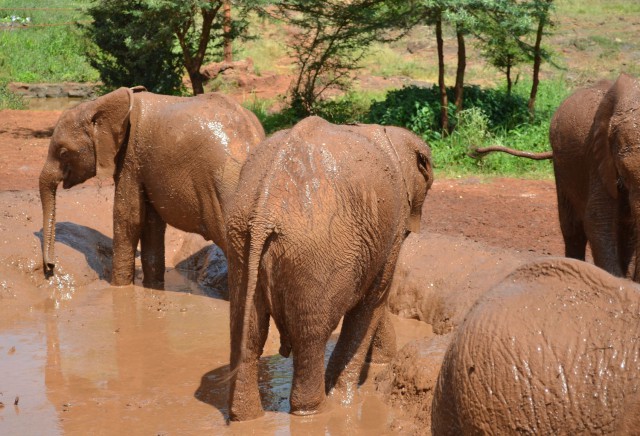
column 94, row 245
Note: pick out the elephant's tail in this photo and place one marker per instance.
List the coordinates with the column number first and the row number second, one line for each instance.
column 259, row 236
column 477, row 153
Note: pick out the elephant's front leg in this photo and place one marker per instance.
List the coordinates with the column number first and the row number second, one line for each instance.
column 127, row 220
column 152, row 248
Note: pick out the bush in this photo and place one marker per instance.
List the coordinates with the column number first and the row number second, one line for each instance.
column 418, row 109
column 8, row 99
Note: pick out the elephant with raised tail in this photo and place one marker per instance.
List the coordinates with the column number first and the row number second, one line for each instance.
column 552, row 349
column 175, row 160
column 314, row 234
column 595, row 140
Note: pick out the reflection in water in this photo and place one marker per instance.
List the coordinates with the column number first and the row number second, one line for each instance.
column 129, row 360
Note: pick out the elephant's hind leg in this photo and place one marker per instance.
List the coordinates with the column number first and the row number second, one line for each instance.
column 307, row 390
column 244, row 401
column 152, row 247
column 572, row 227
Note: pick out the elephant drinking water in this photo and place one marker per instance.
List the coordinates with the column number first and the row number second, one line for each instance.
column 175, row 160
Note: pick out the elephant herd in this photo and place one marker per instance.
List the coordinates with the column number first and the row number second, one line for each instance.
column 312, row 219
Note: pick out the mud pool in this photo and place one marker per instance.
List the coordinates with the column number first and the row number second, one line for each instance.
column 81, row 357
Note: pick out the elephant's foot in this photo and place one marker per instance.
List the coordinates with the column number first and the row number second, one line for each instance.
column 245, row 414
column 305, row 410
column 153, row 284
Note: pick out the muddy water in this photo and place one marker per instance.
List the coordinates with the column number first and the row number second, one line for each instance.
column 80, row 357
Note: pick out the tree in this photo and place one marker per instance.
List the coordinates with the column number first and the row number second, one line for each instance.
column 330, row 39
column 127, row 51
column 158, row 32
column 500, row 29
column 541, row 10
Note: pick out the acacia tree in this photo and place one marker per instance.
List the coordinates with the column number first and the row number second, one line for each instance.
column 329, row 40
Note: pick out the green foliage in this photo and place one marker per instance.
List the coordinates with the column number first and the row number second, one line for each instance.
column 329, row 41
column 418, row 108
column 492, row 117
column 10, row 100
column 43, row 45
column 128, row 51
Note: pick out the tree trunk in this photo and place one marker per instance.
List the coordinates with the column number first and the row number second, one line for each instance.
column 509, row 80
column 197, row 81
column 462, row 64
column 444, row 116
column 228, row 53
column 537, row 60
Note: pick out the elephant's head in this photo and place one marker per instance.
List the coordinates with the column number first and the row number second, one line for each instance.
column 84, row 144
column 615, row 137
column 417, row 170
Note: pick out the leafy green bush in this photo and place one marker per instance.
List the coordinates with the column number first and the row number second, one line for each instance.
column 418, row 108
column 49, row 46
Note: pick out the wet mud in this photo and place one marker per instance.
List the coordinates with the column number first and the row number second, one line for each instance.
column 83, row 357
column 80, row 357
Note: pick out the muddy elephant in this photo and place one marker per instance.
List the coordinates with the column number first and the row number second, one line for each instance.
column 553, row 349
column 314, row 234
column 175, row 160
column 592, row 135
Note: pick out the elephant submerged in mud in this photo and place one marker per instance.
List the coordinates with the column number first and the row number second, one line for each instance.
column 552, row 349
column 595, row 140
column 175, row 160
column 314, row 234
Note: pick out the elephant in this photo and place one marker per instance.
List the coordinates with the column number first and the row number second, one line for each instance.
column 552, row 349
column 592, row 135
column 174, row 160
column 313, row 236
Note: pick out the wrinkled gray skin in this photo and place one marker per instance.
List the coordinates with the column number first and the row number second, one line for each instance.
column 552, row 349
column 314, row 235
column 175, row 160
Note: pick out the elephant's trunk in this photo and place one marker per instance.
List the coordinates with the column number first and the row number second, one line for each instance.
column 50, row 177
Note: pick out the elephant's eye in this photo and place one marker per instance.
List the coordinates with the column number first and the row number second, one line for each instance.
column 62, row 151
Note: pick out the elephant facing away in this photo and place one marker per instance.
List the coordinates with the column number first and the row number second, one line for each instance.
column 593, row 135
column 314, row 234
column 175, row 160
column 553, row 349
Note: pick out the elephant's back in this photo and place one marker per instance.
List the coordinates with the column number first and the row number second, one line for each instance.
column 552, row 349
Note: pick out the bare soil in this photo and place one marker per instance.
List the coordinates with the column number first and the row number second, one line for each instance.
column 77, row 356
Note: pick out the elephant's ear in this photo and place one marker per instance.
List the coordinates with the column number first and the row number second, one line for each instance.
column 110, row 123
column 425, row 167
column 600, row 145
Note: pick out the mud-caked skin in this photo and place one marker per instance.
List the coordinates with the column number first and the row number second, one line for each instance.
column 175, row 160
column 595, row 140
column 552, row 349
column 314, row 234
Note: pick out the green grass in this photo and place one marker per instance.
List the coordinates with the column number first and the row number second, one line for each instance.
column 386, row 61
column 47, row 49
column 597, row 8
